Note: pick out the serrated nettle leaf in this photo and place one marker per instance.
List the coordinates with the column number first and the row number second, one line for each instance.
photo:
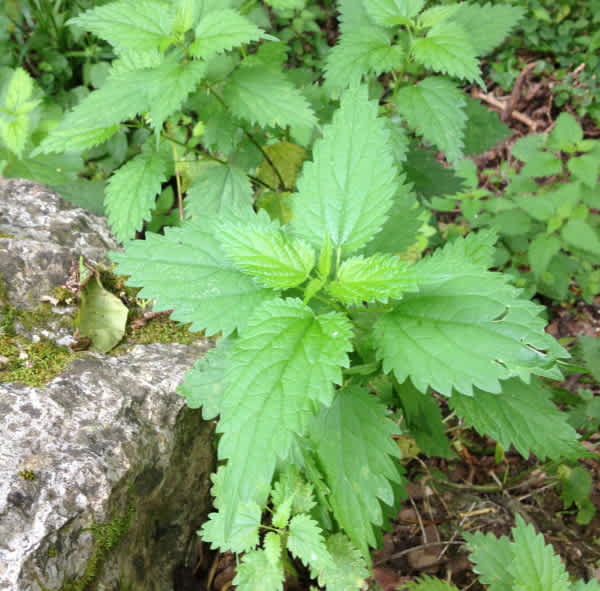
column 17, row 93
column 469, row 327
column 492, row 557
column 585, row 168
column 521, row 415
column 205, row 383
column 257, row 573
column 435, row 109
column 243, row 532
column 353, row 440
column 580, row 234
column 223, row 30
column 291, row 486
column 305, row 540
column 386, row 12
column 132, row 191
column 347, row 568
column 219, row 188
column 373, row 279
column 446, row 49
column 426, row 583
column 487, row 25
column 541, row 252
column 484, row 129
column 186, row 270
column 565, row 134
column 272, row 545
column 436, row 14
column 346, row 191
column 361, row 51
column 283, row 365
column 140, row 25
column 14, row 134
column 261, row 249
column 266, row 97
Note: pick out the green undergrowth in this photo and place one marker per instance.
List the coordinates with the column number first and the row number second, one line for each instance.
column 161, row 329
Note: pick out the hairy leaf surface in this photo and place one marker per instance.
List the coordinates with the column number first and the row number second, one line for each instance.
column 387, row 12
column 257, row 573
column 132, row 190
column 284, row 363
column 435, row 109
column 353, row 439
column 373, row 279
column 186, row 270
column 305, row 540
column 521, row 415
column 466, row 327
column 345, row 193
column 492, row 557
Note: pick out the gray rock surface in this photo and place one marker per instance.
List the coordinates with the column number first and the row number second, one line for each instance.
column 41, row 237
column 104, row 474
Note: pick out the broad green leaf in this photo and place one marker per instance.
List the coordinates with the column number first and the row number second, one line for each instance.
column 287, row 158
column 424, row 421
column 535, row 566
column 346, row 192
column 305, row 540
column 284, row 363
column 542, row 164
column 428, row 176
column 81, row 192
column 364, row 50
column 266, row 97
column 222, row 30
column 590, row 349
column 261, row 249
column 525, row 147
column 565, row 134
column 435, row 109
column 128, row 94
column 446, row 49
column 492, row 557
column 220, row 188
column 205, row 383
column 586, row 168
column 577, row 486
column 287, row 4
column 373, row 279
column 290, row 486
column 426, row 583
column 132, row 191
column 353, row 440
column 521, row 415
column 580, row 234
column 591, row 585
column 387, row 12
column 541, row 251
column 484, row 129
column 273, row 547
column 347, row 568
column 436, row 14
column 243, row 533
column 257, row 573
column 477, row 248
column 139, row 25
column 487, row 24
column 186, row 270
column 14, row 133
column 102, row 317
column 466, row 327
column 17, row 93
column 352, row 14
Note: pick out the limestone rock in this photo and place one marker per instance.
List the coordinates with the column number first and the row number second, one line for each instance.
column 107, row 442
column 41, row 237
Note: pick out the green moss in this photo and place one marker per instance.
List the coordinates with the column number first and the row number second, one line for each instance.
column 5, row 235
column 161, row 329
column 106, row 536
column 27, row 474
column 45, row 360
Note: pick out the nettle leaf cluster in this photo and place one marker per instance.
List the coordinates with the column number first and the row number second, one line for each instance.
column 544, row 214
column 325, row 335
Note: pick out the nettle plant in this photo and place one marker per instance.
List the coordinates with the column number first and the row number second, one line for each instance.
column 326, row 338
column 543, row 211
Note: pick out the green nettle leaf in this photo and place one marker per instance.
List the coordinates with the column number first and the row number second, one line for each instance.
column 346, row 192
column 223, row 30
column 487, row 25
column 466, row 327
column 580, row 234
column 186, row 270
column 435, row 109
column 257, row 573
column 291, row 487
column 428, row 176
column 205, row 383
column 492, row 557
column 128, row 94
column 484, row 129
column 220, row 188
column 446, row 48
column 373, row 279
column 361, row 51
column 566, row 134
column 590, row 350
column 522, row 415
column 132, row 191
column 284, row 363
column 426, row 583
column 353, row 440
column 387, row 12
column 266, row 97
column 535, row 566
column 541, row 252
column 261, row 249
column 305, row 540
column 102, row 317
column 586, row 168
column 140, row 25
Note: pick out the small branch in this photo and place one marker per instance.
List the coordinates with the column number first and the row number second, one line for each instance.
column 490, row 99
column 516, row 91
